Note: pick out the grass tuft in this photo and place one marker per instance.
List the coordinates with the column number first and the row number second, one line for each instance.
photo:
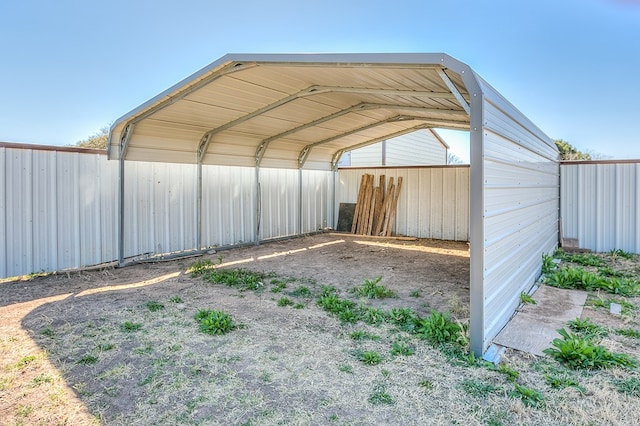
column 214, row 322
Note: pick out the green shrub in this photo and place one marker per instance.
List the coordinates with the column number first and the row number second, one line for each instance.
column 586, row 328
column 373, row 290
column 440, row 329
column 214, row 322
column 578, row 352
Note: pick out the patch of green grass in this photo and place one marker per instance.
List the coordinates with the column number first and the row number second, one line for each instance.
column 143, row 350
column 175, row 299
column 48, row 332
column 105, row 346
column 154, row 306
column 87, row 359
column 425, row 384
column 373, row 290
column 580, row 279
column 621, row 253
column 548, row 264
column 373, row 316
column 214, row 322
column 404, row 318
column 25, row 361
column 478, row 388
column 345, row 368
column 346, row 310
column 529, row 397
column 511, row 374
column 277, row 285
column 369, row 357
column 128, row 326
column 562, row 381
column 363, row 335
column 588, row 329
column 41, row 379
column 630, row 386
column 415, row 293
column 402, row 348
column 527, row 299
column 627, row 307
column 439, row 328
column 607, row 271
column 301, row 291
column 380, row 396
column 200, row 267
column 285, row 301
column 628, row 332
column 242, row 279
column 299, row 306
column 581, row 353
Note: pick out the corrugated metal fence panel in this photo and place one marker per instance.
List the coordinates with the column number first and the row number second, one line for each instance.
column 280, row 190
column 520, row 217
column 600, row 205
column 160, row 208
column 317, row 194
column 54, row 216
column 229, row 205
column 433, row 203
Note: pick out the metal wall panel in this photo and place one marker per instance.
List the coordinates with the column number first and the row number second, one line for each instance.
column 600, row 205
column 519, row 218
column 433, row 203
column 59, row 210
column 53, row 213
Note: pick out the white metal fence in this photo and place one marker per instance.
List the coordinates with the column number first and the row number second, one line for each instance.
column 59, row 207
column 600, row 204
column 433, row 203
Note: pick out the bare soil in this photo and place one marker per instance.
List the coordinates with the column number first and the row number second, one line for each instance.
column 66, row 356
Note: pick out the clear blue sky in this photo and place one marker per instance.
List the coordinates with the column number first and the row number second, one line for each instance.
column 68, row 68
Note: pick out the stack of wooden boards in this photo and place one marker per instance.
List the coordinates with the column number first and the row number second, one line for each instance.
column 375, row 211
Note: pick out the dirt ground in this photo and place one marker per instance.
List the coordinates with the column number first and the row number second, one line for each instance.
column 86, row 348
column 436, row 270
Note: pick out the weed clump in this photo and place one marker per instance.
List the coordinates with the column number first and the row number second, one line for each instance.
column 214, row 322
column 581, row 353
column 373, row 290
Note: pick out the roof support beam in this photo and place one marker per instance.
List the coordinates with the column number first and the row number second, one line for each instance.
column 338, row 154
column 304, row 153
column 260, row 150
column 461, row 100
column 125, row 138
column 310, row 91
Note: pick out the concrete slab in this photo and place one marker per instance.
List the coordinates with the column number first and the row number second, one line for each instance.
column 534, row 327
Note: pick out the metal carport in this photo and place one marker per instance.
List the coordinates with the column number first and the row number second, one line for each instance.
column 302, row 111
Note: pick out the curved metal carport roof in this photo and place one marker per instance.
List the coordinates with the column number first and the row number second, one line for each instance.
column 304, row 110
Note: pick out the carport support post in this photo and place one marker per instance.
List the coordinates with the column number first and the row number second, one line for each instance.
column 299, row 201
column 258, row 207
column 121, row 213
column 476, row 226
column 199, row 206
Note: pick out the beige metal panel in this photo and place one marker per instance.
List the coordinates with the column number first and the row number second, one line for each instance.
column 600, row 205
column 433, row 203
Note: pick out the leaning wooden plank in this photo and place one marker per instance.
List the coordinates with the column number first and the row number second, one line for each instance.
column 358, row 205
column 372, row 211
column 387, row 209
column 380, row 221
column 366, row 204
column 379, row 202
column 392, row 219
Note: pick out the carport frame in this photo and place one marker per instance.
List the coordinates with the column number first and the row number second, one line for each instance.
column 521, row 133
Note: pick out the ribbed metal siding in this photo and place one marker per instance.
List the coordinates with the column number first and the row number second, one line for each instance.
column 433, row 203
column 520, row 215
column 600, row 205
column 57, row 211
column 229, row 205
